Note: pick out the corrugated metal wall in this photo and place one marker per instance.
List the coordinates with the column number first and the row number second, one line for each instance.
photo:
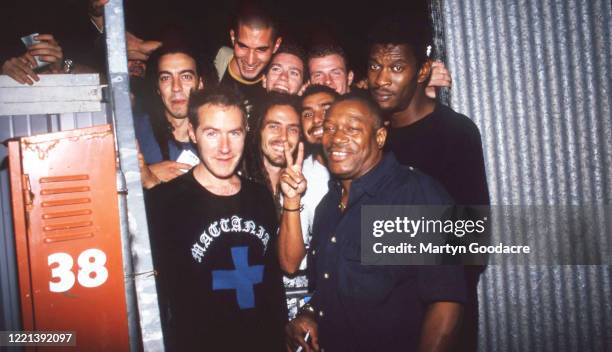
column 18, row 126
column 535, row 77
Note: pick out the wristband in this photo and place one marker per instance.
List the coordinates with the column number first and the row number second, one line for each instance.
column 300, row 208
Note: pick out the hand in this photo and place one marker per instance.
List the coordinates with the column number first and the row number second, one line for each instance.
column 48, row 50
column 148, row 179
column 168, row 170
column 292, row 181
column 363, row 84
column 440, row 77
column 21, row 69
column 295, row 331
column 303, row 88
column 138, row 49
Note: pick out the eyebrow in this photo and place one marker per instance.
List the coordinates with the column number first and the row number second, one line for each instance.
column 266, row 47
column 180, row 72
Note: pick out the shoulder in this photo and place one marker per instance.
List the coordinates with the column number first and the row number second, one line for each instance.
column 411, row 186
column 222, row 59
column 177, row 189
column 457, row 124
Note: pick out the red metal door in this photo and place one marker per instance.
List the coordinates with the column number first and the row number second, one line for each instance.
column 68, row 236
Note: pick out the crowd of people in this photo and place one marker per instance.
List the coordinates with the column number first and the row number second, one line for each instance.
column 257, row 164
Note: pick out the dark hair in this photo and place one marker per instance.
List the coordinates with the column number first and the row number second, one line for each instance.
column 322, row 50
column 295, row 50
column 413, row 31
column 255, row 16
column 319, row 88
column 363, row 96
column 220, row 96
column 253, row 160
column 204, row 69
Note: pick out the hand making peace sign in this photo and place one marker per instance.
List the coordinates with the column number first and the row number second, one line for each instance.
column 292, row 181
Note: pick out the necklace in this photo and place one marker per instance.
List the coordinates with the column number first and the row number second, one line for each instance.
column 341, row 205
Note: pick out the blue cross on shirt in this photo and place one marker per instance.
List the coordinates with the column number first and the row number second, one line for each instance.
column 242, row 279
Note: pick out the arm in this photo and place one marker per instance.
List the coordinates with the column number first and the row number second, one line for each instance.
column 291, row 250
column 440, row 325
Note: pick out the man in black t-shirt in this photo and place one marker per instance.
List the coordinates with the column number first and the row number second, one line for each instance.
column 213, row 237
column 431, row 137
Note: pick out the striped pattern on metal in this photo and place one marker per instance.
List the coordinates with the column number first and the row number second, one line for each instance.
column 535, row 77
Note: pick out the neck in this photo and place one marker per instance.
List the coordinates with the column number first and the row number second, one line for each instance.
column 180, row 128
column 219, row 186
column 419, row 107
column 273, row 174
column 319, row 157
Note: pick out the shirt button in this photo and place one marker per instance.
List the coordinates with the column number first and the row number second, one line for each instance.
column 321, row 313
column 314, row 252
column 333, row 239
column 326, row 275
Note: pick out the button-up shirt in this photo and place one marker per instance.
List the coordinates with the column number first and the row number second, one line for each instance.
column 374, row 308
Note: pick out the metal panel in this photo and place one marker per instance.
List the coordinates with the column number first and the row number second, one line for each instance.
column 535, row 77
column 18, row 126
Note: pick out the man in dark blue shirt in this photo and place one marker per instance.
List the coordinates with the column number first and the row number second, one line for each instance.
column 372, row 308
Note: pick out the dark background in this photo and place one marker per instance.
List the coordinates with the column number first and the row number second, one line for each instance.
column 206, row 22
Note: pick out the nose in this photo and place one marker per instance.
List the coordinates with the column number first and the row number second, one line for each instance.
column 318, row 118
column 224, row 145
column 328, row 81
column 382, row 78
column 176, row 85
column 283, row 134
column 284, row 76
column 251, row 58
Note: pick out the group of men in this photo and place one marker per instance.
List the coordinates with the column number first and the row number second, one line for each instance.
column 256, row 181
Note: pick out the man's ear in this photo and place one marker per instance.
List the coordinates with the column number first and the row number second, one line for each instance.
column 425, row 71
column 233, row 37
column 350, row 77
column 191, row 133
column 278, row 42
column 381, row 137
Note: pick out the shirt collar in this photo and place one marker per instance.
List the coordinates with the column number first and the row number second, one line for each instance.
column 371, row 182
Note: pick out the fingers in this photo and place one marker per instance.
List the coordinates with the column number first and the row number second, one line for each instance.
column 303, row 88
column 20, row 70
column 440, row 76
column 299, row 162
column 292, row 178
column 288, row 156
column 30, row 60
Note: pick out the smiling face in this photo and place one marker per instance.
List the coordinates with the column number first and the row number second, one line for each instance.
column 331, row 71
column 286, row 74
column 281, row 124
column 314, row 108
column 352, row 144
column 176, row 78
column 392, row 76
column 220, row 139
column 253, row 48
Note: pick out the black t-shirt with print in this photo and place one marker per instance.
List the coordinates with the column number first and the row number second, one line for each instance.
column 218, row 278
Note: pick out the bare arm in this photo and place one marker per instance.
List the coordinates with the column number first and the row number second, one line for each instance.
column 440, row 326
column 291, row 250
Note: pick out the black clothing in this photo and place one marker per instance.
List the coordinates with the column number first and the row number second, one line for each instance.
column 446, row 146
column 253, row 93
column 374, row 308
column 219, row 283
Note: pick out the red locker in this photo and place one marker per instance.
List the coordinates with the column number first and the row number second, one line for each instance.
column 68, row 236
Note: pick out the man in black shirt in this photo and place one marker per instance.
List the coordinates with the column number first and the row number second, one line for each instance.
column 429, row 136
column 213, row 238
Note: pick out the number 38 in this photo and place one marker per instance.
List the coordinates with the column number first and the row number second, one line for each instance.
column 92, row 272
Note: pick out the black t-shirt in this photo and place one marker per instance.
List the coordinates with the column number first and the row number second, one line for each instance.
column 253, row 93
column 445, row 145
column 219, row 283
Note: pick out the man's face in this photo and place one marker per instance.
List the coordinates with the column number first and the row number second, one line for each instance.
column 281, row 124
column 286, row 74
column 314, row 107
column 176, row 78
column 253, row 48
column 351, row 143
column 392, row 76
column 330, row 71
column 220, row 138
